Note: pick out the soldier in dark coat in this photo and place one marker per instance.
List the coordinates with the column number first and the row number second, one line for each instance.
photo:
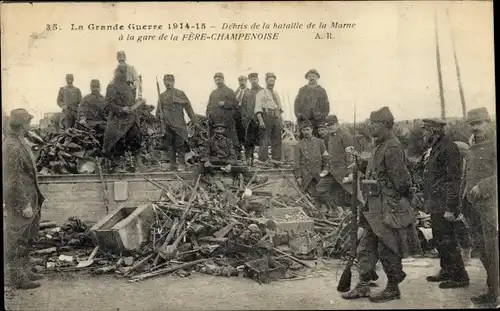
column 310, row 160
column 386, row 212
column 481, row 191
column 249, row 119
column 68, row 99
column 223, row 108
column 242, row 96
column 312, row 102
column 173, row 103
column 91, row 111
column 442, row 174
column 22, row 201
column 219, row 154
column 123, row 123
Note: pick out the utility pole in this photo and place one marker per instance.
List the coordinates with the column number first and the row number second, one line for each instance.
column 438, row 63
column 457, row 67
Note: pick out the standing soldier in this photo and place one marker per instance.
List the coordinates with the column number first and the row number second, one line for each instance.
column 242, row 95
column 22, row 200
column 173, row 103
column 132, row 76
column 91, row 111
column 480, row 189
column 68, row 99
column 312, row 102
column 249, row 121
column 223, row 108
column 310, row 160
column 123, row 123
column 269, row 113
column 386, row 212
column 330, row 189
column 442, row 174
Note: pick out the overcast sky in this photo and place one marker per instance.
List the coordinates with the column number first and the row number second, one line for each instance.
column 387, row 60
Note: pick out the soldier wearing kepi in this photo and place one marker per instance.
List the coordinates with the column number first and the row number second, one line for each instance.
column 242, row 95
column 310, row 160
column 91, row 111
column 219, row 154
column 68, row 99
column 480, row 189
column 268, row 110
column 387, row 210
column 132, row 76
column 173, row 103
column 442, row 174
column 249, row 120
column 22, row 200
column 123, row 122
column 312, row 102
column 223, row 108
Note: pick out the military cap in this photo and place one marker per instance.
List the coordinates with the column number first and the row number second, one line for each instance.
column 478, row 114
column 433, row 123
column 219, row 74
column 313, row 71
column 19, row 117
column 169, row 77
column 323, row 124
column 270, row 74
column 305, row 124
column 242, row 78
column 253, row 75
column 216, row 125
column 120, row 53
column 69, row 75
column 381, row 115
column 332, row 120
column 95, row 82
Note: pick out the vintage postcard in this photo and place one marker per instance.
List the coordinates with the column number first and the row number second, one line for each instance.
column 312, row 155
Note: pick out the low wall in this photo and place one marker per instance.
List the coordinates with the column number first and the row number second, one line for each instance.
column 82, row 195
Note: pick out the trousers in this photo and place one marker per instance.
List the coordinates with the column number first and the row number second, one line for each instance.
column 271, row 135
column 331, row 192
column 370, row 250
column 446, row 243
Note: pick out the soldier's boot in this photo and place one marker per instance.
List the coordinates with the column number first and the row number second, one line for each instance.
column 181, row 157
column 484, row 298
column 19, row 279
column 440, row 277
column 361, row 290
column 390, row 292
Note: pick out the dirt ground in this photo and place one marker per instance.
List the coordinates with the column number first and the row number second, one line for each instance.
column 202, row 292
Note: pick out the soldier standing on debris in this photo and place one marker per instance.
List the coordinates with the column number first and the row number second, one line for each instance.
column 22, row 200
column 249, row 121
column 123, row 123
column 310, row 160
column 442, row 174
column 173, row 103
column 219, row 154
column 269, row 111
column 223, row 108
column 480, row 189
column 91, row 111
column 312, row 102
column 386, row 212
column 132, row 76
column 242, row 95
column 330, row 189
column 68, row 99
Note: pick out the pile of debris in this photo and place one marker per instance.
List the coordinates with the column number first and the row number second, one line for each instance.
column 214, row 229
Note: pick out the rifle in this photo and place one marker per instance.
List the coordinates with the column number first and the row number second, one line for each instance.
column 160, row 111
column 345, row 280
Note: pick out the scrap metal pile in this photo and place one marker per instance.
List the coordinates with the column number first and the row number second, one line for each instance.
column 220, row 230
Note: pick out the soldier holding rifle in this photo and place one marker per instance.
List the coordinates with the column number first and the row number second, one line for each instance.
column 387, row 211
column 171, row 106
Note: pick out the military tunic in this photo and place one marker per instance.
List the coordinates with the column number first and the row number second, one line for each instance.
column 92, row 109
column 68, row 98
column 309, row 162
column 387, row 211
column 227, row 114
column 312, row 104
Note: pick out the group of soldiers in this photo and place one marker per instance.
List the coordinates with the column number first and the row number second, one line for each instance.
column 252, row 116
column 238, row 121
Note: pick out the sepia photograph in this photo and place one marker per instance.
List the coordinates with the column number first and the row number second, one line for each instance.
column 249, row 155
